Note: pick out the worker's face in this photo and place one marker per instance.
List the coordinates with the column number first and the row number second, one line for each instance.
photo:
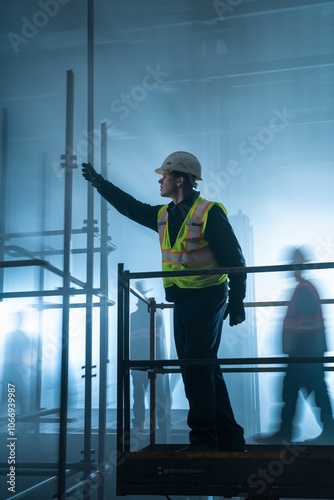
column 168, row 184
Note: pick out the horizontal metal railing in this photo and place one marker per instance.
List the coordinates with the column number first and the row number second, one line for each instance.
column 31, row 261
column 153, row 366
column 127, row 275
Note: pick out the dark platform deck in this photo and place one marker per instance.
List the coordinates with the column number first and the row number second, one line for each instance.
column 287, row 471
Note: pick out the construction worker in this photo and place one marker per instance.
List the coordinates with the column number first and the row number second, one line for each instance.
column 303, row 335
column 194, row 234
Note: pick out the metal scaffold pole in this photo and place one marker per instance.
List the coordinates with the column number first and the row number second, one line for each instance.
column 68, row 165
column 103, row 314
column 87, row 451
column 36, row 406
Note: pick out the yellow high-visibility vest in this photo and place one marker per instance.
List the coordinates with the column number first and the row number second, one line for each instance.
column 190, row 250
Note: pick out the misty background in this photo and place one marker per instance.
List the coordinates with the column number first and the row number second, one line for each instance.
column 246, row 86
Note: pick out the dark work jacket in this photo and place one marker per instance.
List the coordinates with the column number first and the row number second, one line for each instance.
column 219, row 235
column 303, row 326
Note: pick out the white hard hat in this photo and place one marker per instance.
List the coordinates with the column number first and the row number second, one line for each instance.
column 181, row 161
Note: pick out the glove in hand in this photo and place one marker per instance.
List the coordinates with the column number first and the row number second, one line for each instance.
column 90, row 174
column 236, row 311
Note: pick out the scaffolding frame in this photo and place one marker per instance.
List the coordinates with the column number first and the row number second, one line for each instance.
column 23, row 258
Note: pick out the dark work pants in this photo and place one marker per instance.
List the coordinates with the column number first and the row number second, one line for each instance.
column 140, row 382
column 309, row 378
column 197, row 330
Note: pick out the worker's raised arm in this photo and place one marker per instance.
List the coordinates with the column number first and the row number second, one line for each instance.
column 127, row 205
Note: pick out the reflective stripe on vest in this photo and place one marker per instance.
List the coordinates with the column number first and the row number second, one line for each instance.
column 190, row 250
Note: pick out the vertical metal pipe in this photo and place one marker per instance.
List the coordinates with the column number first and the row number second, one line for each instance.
column 90, row 244
column 152, row 374
column 3, row 184
column 103, row 314
column 68, row 165
column 126, row 372
column 38, row 392
column 120, row 376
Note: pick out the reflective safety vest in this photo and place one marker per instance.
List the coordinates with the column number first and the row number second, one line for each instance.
column 190, row 250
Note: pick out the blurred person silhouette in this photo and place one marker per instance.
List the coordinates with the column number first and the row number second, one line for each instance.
column 17, row 365
column 140, row 349
column 303, row 335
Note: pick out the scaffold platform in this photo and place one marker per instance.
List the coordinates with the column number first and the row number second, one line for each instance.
column 297, row 470
column 270, row 472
